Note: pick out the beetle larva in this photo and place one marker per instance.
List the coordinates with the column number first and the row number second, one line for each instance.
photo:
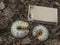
column 41, row 32
column 19, row 29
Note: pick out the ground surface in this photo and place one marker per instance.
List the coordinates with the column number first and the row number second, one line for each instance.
column 12, row 10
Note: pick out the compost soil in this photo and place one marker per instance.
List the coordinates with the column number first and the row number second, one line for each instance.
column 12, row 10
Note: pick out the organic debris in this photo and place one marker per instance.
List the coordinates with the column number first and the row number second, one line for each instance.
column 12, row 10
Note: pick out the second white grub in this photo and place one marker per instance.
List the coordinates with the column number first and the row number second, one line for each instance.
column 41, row 29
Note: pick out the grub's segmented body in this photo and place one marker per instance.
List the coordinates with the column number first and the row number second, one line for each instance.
column 39, row 29
column 19, row 33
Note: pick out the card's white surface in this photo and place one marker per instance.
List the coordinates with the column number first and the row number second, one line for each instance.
column 43, row 13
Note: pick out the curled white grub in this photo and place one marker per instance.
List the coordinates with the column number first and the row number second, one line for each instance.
column 41, row 32
column 19, row 29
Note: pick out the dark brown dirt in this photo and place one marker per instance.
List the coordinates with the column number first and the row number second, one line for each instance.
column 18, row 10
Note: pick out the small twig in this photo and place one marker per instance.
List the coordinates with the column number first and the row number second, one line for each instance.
column 57, row 3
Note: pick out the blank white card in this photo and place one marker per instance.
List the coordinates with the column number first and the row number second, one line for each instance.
column 43, row 13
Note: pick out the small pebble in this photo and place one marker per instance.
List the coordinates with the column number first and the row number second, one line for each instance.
column 2, row 6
